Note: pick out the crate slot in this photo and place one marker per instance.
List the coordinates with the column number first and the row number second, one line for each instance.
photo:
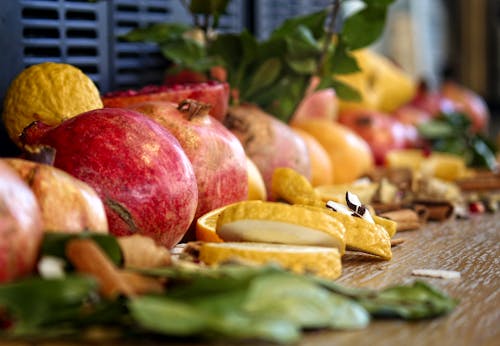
column 80, row 15
column 36, row 13
column 81, row 33
column 40, row 32
column 41, row 51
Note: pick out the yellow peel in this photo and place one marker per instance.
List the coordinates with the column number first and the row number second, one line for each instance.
column 320, row 261
column 280, row 223
column 290, row 186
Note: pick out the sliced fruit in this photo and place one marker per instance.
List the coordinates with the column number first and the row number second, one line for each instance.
column 274, row 222
column 320, row 261
column 206, row 224
column 212, row 92
column 289, row 185
column 364, row 236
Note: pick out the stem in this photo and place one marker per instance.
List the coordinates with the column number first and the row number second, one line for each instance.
column 330, row 32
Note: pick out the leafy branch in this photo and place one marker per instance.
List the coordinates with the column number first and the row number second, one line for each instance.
column 273, row 73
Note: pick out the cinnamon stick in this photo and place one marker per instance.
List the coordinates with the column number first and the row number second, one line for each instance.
column 406, row 219
column 87, row 257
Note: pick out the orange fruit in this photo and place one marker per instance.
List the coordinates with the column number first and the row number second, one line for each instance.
column 350, row 154
column 206, row 225
column 49, row 92
column 321, row 164
column 256, row 185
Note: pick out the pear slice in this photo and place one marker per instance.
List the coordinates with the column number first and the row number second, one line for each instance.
column 275, row 222
column 321, row 261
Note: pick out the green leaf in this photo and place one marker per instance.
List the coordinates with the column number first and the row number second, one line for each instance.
column 302, row 66
column 484, row 154
column 301, row 43
column 436, row 129
column 304, row 302
column 54, row 244
column 314, row 22
column 264, row 76
column 37, row 302
column 364, row 27
column 342, row 61
column 157, row 33
column 343, row 90
column 183, row 52
column 417, row 301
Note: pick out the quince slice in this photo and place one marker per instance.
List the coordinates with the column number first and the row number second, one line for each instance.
column 320, row 261
column 290, row 186
column 275, row 222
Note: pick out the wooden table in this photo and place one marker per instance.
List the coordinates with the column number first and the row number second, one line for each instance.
column 468, row 246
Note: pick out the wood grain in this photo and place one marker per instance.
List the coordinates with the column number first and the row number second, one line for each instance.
column 471, row 247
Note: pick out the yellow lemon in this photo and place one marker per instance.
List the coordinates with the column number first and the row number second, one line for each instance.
column 48, row 92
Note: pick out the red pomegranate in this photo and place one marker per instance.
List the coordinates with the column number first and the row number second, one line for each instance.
column 217, row 156
column 382, row 132
column 214, row 93
column 138, row 168
column 268, row 142
column 20, row 226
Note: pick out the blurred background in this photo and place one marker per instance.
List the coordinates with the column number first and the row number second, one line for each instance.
column 431, row 39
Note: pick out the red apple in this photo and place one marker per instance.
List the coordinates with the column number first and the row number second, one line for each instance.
column 469, row 102
column 20, row 226
column 382, row 132
column 137, row 167
column 217, row 156
column 268, row 142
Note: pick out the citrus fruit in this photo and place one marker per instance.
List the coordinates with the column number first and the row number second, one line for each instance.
column 256, row 185
column 49, row 92
column 365, row 190
column 274, row 222
column 321, row 164
column 320, row 261
column 205, row 226
column 350, row 154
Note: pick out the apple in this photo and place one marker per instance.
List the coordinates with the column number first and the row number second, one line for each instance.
column 137, row 167
column 20, row 226
column 217, row 156
column 67, row 204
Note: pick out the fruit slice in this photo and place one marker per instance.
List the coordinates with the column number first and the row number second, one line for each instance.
column 364, row 236
column 289, row 185
column 256, row 185
column 206, row 224
column 320, row 261
column 274, row 222
column 336, row 192
column 212, row 92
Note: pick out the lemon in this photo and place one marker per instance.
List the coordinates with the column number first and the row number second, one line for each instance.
column 49, row 92
column 274, row 222
column 336, row 192
column 320, row 261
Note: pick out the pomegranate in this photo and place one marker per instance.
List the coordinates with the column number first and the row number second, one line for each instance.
column 20, row 226
column 218, row 158
column 268, row 142
column 431, row 101
column 138, row 168
column 214, row 93
column 67, row 204
column 382, row 132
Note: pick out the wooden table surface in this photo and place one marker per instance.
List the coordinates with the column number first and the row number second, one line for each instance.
column 471, row 247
